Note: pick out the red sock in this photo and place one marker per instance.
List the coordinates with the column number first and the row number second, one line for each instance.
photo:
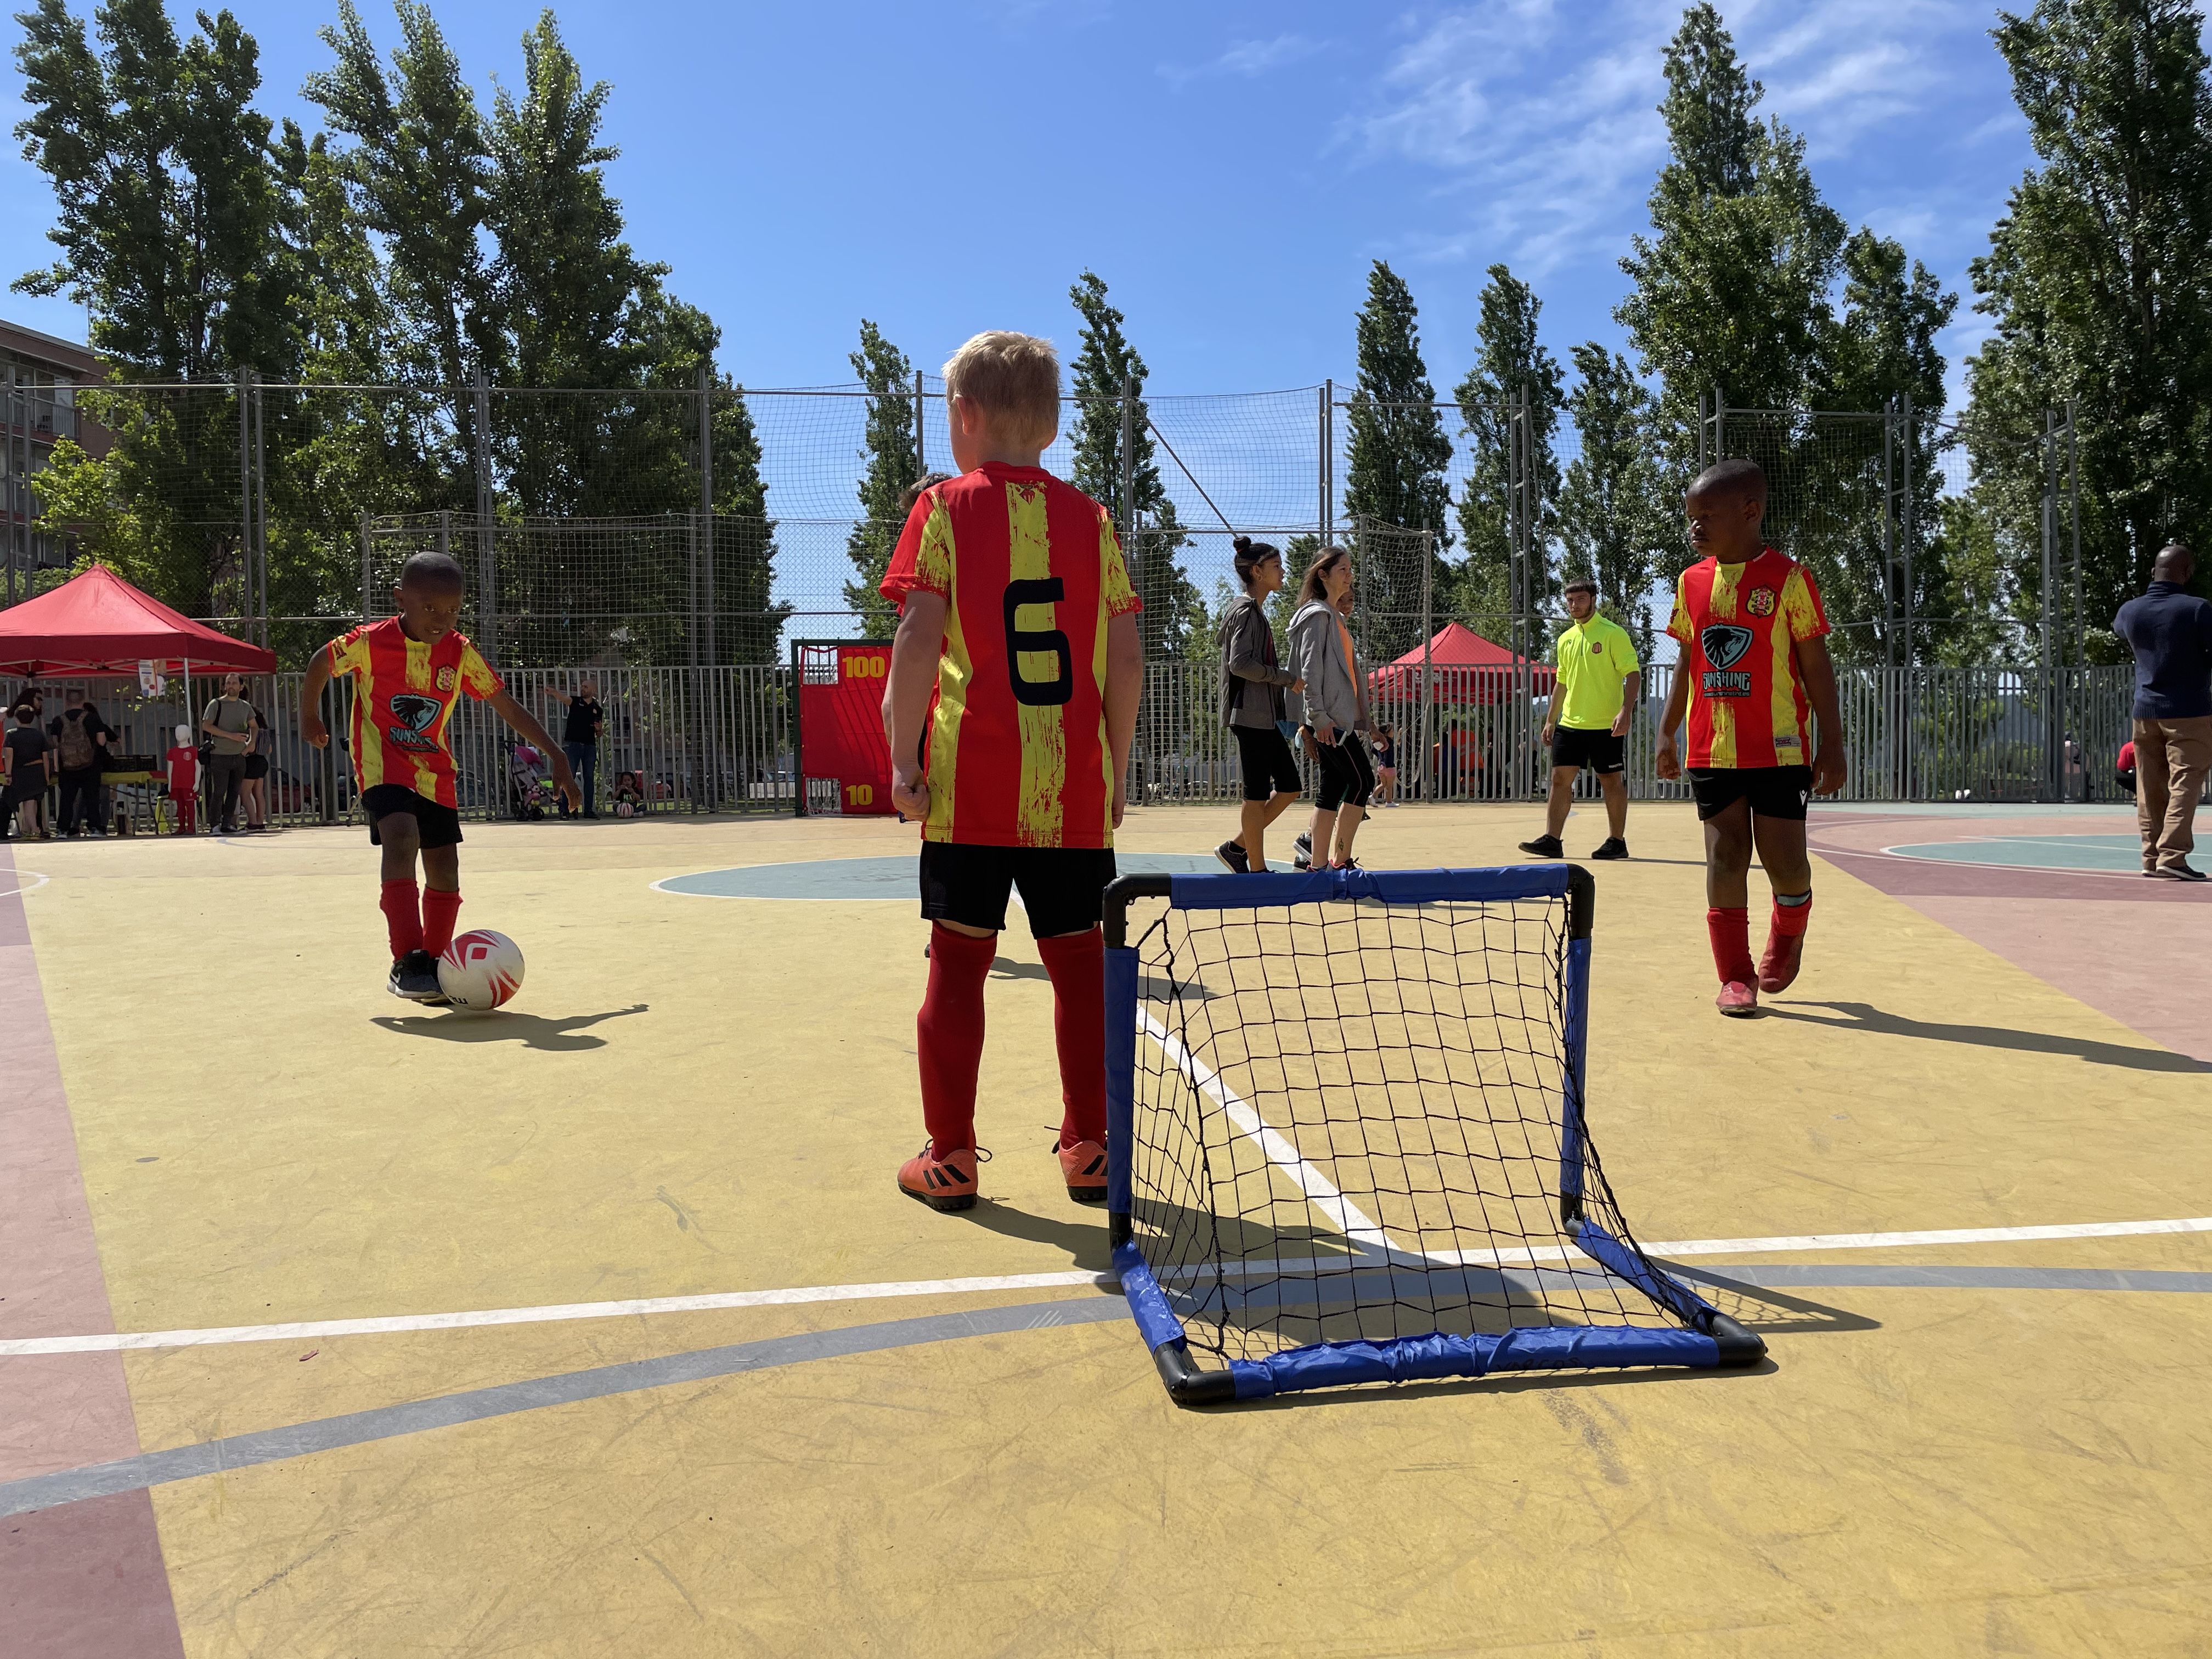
column 1076, row 962
column 440, row 907
column 1730, row 932
column 1791, row 918
column 948, row 1036
column 402, row 905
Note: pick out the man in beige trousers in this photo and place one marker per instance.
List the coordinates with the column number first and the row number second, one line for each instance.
column 2170, row 630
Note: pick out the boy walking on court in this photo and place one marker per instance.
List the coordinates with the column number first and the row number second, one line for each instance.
column 1016, row 609
column 1753, row 677
column 408, row 673
column 1596, row 687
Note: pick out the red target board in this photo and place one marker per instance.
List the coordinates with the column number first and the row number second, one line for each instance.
column 844, row 763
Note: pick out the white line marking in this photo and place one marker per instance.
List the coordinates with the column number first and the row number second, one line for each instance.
column 1971, row 864
column 1320, row 1191
column 37, row 882
column 29, row 1346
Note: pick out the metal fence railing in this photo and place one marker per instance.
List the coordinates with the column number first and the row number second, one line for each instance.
column 720, row 738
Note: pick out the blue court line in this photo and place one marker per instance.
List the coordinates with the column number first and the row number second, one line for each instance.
column 241, row 1451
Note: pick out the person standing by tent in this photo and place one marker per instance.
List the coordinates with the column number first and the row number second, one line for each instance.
column 1598, row 684
column 227, row 724
column 80, row 739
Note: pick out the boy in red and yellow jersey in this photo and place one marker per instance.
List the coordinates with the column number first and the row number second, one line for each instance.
column 1016, row 609
column 408, row 673
column 1754, row 677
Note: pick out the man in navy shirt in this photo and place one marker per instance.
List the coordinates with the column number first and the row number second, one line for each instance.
column 2170, row 631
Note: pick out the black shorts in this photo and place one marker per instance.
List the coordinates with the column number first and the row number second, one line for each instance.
column 1270, row 768
column 1774, row 792
column 1063, row 888
column 256, row 766
column 434, row 825
column 1581, row 746
column 1347, row 779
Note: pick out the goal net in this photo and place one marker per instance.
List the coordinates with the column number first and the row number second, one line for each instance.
column 1347, row 1140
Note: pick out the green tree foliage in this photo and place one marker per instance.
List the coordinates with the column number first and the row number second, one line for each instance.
column 888, row 452
column 1509, row 361
column 2099, row 282
column 1174, row 619
column 1619, row 522
column 1752, row 287
column 1397, row 456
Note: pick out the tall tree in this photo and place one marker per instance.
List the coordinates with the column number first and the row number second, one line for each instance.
column 1619, row 524
column 167, row 199
column 1510, row 362
column 2098, row 283
column 1174, row 617
column 1395, row 468
column 420, row 167
column 888, row 450
column 748, row 621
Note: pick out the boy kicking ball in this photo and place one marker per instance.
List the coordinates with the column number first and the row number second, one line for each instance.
column 1015, row 607
column 410, row 672
column 1753, row 677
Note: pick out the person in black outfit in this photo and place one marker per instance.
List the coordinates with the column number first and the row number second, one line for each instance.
column 80, row 746
column 1254, row 709
column 29, row 757
column 580, row 741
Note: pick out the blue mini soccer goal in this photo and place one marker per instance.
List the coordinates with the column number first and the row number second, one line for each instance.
column 1347, row 1136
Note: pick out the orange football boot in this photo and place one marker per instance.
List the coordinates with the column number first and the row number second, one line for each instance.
column 1083, row 1167
column 942, row 1183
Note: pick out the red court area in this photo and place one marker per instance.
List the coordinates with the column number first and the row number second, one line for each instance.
column 2131, row 948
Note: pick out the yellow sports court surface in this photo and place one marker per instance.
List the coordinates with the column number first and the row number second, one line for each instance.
column 377, row 1391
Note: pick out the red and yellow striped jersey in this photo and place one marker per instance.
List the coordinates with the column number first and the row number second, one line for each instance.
column 403, row 696
column 1032, row 573
column 1738, row 625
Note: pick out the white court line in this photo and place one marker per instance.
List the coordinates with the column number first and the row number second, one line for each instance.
column 1973, row 863
column 27, row 1346
column 1346, row 1217
column 38, row 881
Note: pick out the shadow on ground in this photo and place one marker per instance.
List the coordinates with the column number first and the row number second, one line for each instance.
column 1865, row 1016
column 567, row 1035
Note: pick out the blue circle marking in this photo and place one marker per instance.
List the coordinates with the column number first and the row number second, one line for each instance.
column 877, row 879
column 2117, row 855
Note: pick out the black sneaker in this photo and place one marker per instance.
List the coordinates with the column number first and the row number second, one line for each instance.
column 1612, row 848
column 2177, row 870
column 414, row 976
column 1544, row 847
column 1302, row 851
column 1232, row 853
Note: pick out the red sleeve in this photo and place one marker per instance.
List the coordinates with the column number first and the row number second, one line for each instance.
column 899, row 579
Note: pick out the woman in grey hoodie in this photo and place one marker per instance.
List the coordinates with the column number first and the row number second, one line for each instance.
column 1254, row 706
column 1321, row 655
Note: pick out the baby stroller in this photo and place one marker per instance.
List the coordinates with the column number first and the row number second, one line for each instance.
column 529, row 783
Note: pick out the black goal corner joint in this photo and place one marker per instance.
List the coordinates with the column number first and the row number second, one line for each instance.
column 1738, row 1346
column 1119, row 892
column 1187, row 1384
column 1581, row 901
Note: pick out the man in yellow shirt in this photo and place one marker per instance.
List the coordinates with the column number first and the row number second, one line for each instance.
column 1600, row 683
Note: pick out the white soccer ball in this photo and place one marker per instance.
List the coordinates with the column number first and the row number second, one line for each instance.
column 1963, row 794
column 480, row 970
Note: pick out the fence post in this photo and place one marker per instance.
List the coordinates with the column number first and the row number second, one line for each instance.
column 24, row 484
column 367, row 566
column 704, row 621
column 266, row 632
column 245, row 494
column 488, row 600
column 920, row 447
column 1328, row 463
column 2074, row 527
column 2045, row 642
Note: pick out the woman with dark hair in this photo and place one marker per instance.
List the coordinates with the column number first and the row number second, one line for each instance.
column 1321, row 655
column 1253, row 706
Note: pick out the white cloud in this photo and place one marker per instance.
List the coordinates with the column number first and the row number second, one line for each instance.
column 1247, row 59
column 1540, row 117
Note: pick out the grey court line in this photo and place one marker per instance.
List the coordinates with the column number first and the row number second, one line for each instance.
column 242, row 1451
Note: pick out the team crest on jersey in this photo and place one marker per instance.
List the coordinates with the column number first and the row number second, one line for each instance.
column 445, row 674
column 1597, row 647
column 417, row 714
column 1759, row 602
column 1725, row 645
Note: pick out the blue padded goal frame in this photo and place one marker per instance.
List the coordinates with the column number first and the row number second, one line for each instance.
column 1707, row 1337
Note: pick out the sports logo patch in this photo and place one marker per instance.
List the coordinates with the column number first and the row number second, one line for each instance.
column 1724, row 643
column 1760, row 601
column 417, row 714
column 1597, row 647
column 445, row 674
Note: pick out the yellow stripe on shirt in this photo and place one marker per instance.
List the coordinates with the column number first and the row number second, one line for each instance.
column 1037, row 809
column 1723, row 608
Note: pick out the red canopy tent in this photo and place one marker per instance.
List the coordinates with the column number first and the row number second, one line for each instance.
column 1462, row 668
column 97, row 624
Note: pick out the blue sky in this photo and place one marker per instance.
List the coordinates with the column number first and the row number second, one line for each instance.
column 1230, row 169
